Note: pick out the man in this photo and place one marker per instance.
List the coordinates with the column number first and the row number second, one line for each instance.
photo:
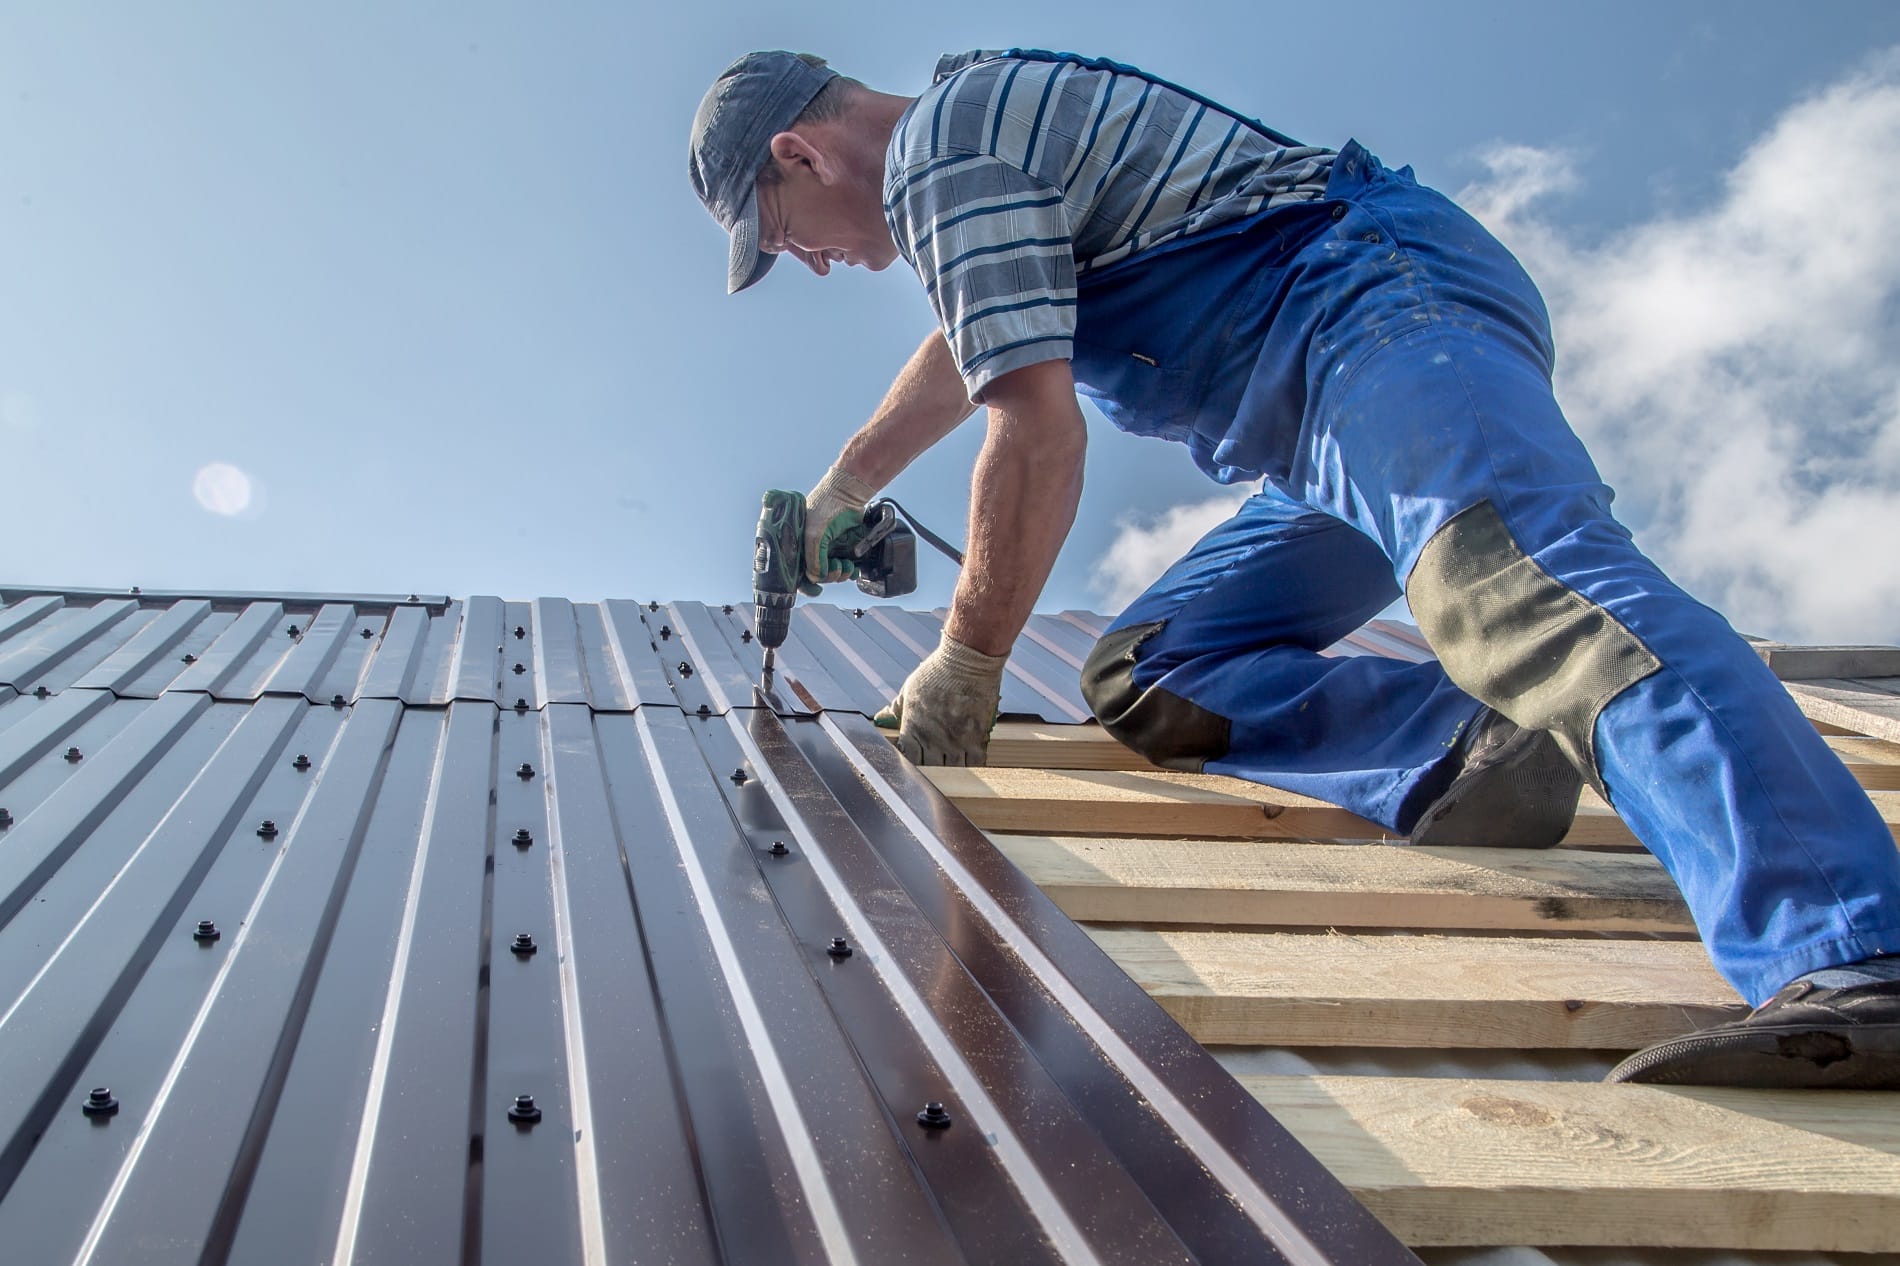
column 1317, row 320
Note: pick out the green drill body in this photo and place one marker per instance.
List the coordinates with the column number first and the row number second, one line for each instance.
column 778, row 565
column 880, row 553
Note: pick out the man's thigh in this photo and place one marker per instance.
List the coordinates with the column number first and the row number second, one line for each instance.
column 1275, row 574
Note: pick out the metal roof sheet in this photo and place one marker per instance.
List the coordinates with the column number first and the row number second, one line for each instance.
column 329, row 1067
column 612, row 656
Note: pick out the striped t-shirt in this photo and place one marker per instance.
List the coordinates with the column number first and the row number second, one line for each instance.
column 1009, row 177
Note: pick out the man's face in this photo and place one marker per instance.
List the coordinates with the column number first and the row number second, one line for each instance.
column 822, row 223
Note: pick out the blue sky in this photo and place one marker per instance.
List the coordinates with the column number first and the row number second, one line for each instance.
column 433, row 279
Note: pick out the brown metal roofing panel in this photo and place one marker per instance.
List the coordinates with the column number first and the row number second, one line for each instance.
column 157, row 640
column 26, row 611
column 612, row 656
column 415, row 916
column 246, row 649
column 77, row 637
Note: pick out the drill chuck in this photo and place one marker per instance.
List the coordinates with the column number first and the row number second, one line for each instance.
column 774, row 619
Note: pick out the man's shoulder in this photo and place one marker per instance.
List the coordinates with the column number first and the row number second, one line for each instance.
column 951, row 63
column 919, row 138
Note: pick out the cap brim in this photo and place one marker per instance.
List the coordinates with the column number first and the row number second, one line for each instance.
column 746, row 263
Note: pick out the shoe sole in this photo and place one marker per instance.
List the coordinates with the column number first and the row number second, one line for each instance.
column 1526, row 797
column 1773, row 1057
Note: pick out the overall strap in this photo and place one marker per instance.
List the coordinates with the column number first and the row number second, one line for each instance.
column 1102, row 63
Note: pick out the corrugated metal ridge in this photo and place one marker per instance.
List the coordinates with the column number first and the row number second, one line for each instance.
column 613, row 656
column 329, row 1067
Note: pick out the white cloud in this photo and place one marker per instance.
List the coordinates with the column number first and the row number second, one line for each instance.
column 1735, row 370
column 1144, row 545
column 223, row 489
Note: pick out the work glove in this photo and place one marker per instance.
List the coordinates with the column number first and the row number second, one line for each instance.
column 944, row 712
column 834, row 511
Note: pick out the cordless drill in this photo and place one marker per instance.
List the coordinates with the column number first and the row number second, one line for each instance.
column 883, row 548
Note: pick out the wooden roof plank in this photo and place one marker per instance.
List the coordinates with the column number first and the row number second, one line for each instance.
column 1302, row 989
column 1806, row 663
column 1298, row 885
column 1866, row 706
column 1444, row 1161
column 1049, row 745
column 1161, row 804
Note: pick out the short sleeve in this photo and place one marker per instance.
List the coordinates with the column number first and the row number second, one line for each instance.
column 993, row 249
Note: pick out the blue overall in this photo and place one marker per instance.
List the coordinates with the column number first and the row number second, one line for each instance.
column 1383, row 363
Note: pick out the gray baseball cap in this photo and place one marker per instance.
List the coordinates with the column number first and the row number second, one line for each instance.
column 755, row 99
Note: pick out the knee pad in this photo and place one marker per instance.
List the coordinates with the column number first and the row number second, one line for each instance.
column 1173, row 732
column 1514, row 637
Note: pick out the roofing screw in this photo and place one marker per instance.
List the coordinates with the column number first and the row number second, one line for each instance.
column 189, row 658
column 295, row 631
column 337, row 701
column 6, row 819
column 653, row 606
column 521, row 705
column 41, row 692
column 523, row 837
column 704, row 710
column 72, row 756
column 302, row 762
column 727, row 608
column 778, row 848
column 100, row 1103
column 686, row 669
column 933, row 1117
column 520, row 669
column 136, row 590
column 745, row 635
column 268, row 830
column 366, row 635
column 520, row 632
column 738, row 777
column 412, row 597
column 666, row 631
column 839, row 948
column 524, row 1112
column 523, row 945
column 207, row 932
column 526, row 770
column 858, row 612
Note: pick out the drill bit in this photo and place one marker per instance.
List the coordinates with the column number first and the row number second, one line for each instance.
column 766, row 680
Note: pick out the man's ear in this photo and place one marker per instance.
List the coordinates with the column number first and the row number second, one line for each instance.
column 793, row 150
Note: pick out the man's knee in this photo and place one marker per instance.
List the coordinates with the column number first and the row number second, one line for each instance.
column 1169, row 730
column 1517, row 639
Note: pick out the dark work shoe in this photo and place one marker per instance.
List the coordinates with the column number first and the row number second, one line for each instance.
column 1516, row 789
column 1806, row 1037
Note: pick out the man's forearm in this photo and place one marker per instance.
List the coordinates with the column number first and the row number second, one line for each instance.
column 1022, row 503
column 924, row 404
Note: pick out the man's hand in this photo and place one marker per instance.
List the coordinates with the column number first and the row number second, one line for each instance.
column 946, row 708
column 833, row 510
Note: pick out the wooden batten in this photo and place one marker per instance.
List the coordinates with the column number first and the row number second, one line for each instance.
column 1259, row 918
column 1160, row 803
column 1520, row 993
column 1245, row 884
column 1444, row 1161
column 1865, row 706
